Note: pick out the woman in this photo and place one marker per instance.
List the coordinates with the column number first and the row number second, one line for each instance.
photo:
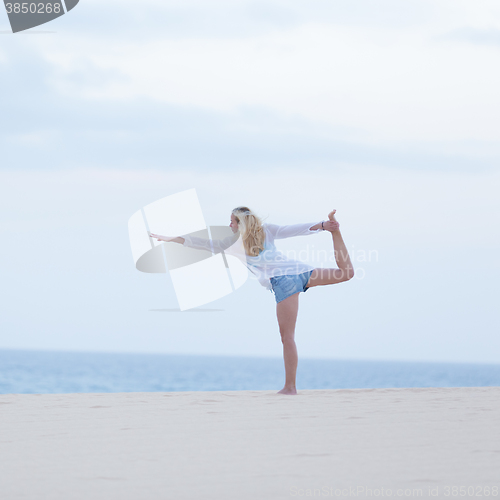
column 285, row 277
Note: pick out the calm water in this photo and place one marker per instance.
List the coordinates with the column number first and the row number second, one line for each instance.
column 64, row 372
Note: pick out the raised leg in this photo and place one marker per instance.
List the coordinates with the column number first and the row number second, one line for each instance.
column 287, row 310
column 329, row 276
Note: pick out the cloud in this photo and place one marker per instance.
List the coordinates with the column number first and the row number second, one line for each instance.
column 141, row 133
column 233, row 19
column 316, row 86
column 292, row 108
column 489, row 36
column 66, row 251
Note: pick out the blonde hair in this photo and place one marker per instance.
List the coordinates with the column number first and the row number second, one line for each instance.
column 251, row 230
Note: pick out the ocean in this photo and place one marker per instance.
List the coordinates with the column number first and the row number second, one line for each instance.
column 46, row 372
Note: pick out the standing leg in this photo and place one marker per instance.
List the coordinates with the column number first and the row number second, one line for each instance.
column 287, row 310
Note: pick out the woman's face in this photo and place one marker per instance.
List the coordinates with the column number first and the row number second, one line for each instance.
column 234, row 223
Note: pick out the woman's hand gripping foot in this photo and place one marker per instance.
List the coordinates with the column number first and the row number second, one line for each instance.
column 331, row 224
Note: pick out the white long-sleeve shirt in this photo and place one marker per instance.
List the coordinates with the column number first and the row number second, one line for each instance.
column 270, row 262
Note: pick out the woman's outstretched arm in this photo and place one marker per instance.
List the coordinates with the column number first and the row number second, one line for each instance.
column 316, row 227
column 280, row 232
column 187, row 240
column 159, row 237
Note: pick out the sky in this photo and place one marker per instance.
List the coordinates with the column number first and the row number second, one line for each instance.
column 387, row 111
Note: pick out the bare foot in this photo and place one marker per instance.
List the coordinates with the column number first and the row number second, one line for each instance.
column 331, row 224
column 292, row 391
column 331, row 215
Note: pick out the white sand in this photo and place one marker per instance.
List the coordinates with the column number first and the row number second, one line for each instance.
column 249, row 444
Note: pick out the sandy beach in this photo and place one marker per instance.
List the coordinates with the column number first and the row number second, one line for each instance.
column 359, row 443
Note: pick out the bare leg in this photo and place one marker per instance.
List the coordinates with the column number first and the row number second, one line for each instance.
column 287, row 310
column 345, row 271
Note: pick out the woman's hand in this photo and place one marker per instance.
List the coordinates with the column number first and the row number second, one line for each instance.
column 175, row 239
column 331, row 226
column 159, row 237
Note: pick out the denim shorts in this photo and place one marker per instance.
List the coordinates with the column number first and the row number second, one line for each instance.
column 289, row 284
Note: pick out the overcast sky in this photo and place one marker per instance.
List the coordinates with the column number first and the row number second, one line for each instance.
column 387, row 111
